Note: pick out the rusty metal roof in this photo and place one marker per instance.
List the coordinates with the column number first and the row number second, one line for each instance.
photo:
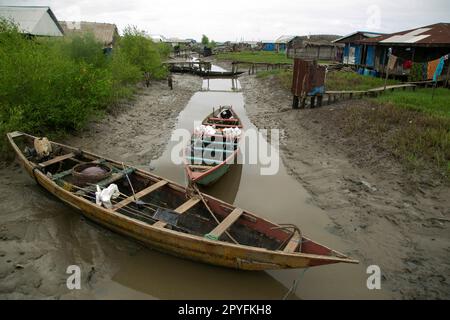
column 433, row 35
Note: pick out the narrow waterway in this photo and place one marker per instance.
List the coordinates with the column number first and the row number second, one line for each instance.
column 279, row 198
column 46, row 236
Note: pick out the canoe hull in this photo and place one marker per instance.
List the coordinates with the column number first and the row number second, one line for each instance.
column 215, row 175
column 172, row 242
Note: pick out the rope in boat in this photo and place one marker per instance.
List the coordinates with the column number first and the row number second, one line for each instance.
column 193, row 188
column 295, row 283
column 288, row 227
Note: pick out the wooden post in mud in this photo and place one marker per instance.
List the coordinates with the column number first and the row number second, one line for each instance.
column 303, row 104
column 313, row 102
column 319, row 100
column 295, row 103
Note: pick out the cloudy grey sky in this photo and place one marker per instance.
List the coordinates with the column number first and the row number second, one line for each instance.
column 251, row 19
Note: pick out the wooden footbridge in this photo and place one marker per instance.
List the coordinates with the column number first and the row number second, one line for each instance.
column 335, row 96
column 254, row 67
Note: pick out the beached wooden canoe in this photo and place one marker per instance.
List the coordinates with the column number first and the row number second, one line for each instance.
column 165, row 216
column 209, row 157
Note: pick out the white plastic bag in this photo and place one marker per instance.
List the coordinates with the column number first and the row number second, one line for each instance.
column 103, row 197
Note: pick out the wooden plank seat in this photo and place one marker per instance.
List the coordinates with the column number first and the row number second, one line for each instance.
column 225, row 224
column 215, row 142
column 140, row 194
column 180, row 210
column 225, row 120
column 213, row 150
column 56, row 160
column 224, row 125
column 196, row 160
column 293, row 243
column 16, row 134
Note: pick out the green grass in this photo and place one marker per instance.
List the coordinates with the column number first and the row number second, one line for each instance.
column 335, row 81
column 423, row 135
column 255, row 56
column 422, row 100
column 412, row 125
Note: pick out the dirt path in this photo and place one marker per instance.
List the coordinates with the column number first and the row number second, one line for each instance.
column 402, row 228
column 40, row 236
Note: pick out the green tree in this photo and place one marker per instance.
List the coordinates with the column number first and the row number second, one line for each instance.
column 142, row 52
column 205, row 40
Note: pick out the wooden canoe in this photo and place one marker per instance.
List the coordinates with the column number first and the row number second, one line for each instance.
column 217, row 74
column 208, row 158
column 193, row 234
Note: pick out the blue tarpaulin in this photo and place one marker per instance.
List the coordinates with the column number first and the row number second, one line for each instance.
column 370, row 57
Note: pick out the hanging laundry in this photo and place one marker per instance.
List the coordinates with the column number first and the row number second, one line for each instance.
column 392, row 61
column 439, row 68
column 432, row 66
column 407, row 64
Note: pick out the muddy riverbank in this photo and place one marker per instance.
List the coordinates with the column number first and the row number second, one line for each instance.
column 40, row 236
column 402, row 227
column 319, row 187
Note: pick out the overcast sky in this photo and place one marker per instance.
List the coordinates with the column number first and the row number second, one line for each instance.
column 251, row 19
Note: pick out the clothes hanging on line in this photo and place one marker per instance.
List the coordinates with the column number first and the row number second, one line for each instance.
column 432, row 67
column 439, row 69
column 407, row 64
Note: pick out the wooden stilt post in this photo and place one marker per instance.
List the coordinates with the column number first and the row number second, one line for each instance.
column 295, row 103
column 303, row 103
column 313, row 102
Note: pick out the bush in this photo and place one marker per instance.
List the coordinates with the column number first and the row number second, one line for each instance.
column 142, row 52
column 53, row 85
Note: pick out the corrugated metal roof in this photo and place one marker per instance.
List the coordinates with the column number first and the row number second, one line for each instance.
column 284, row 39
column 103, row 32
column 35, row 20
column 432, row 35
column 366, row 34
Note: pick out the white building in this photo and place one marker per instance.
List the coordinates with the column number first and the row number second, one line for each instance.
column 33, row 20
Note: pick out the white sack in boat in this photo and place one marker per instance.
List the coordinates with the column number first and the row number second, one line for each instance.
column 232, row 133
column 204, row 130
column 103, row 197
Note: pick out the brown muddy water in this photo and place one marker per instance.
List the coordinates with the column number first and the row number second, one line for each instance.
column 146, row 274
column 279, row 198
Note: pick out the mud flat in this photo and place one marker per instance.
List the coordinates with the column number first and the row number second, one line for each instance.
column 398, row 222
column 40, row 236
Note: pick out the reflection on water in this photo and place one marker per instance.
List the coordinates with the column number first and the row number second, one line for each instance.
column 166, row 277
column 279, row 198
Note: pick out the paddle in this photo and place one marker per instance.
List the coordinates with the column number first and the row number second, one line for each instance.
column 140, row 204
